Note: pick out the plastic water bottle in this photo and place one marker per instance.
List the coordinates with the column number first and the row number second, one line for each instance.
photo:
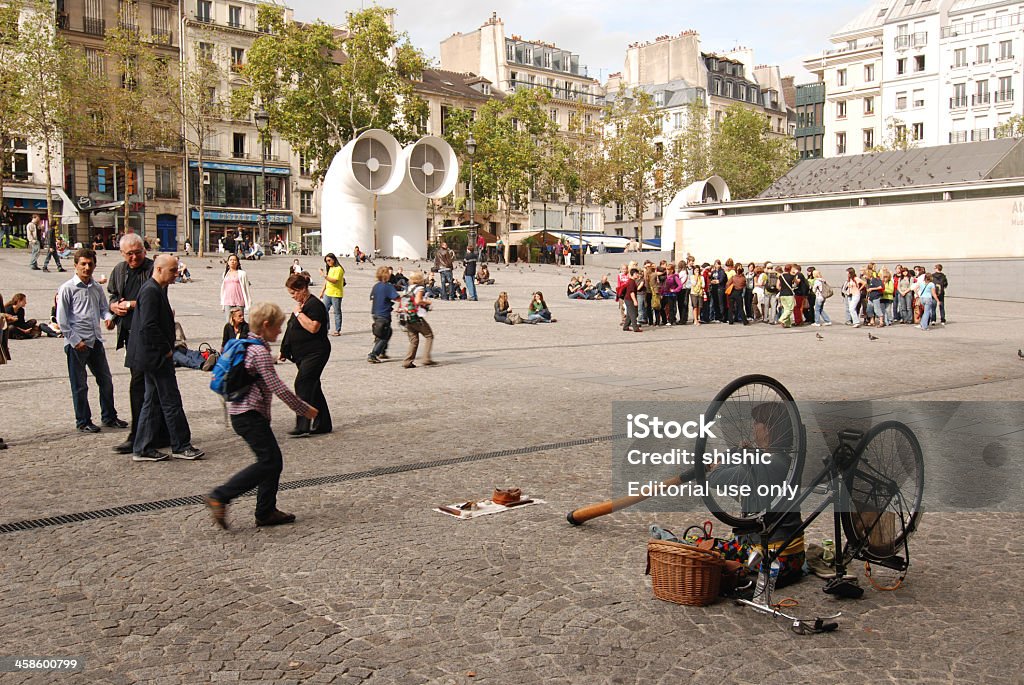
column 773, row 577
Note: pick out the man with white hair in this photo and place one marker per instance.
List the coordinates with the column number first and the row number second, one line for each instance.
column 125, row 281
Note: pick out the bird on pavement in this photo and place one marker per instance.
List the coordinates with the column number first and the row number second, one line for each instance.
column 1020, row 354
column 871, row 337
column 819, row 336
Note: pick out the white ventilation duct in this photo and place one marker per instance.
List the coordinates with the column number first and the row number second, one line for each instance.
column 713, row 190
column 431, row 171
column 366, row 166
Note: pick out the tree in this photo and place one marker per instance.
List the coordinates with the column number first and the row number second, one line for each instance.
column 584, row 170
column 510, row 135
column 49, row 69
column 688, row 153
column 1011, row 128
column 12, row 114
column 132, row 111
column 632, row 153
column 896, row 137
column 322, row 87
column 747, row 155
column 200, row 107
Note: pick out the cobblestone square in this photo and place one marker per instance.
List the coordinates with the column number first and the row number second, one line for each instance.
column 372, row 586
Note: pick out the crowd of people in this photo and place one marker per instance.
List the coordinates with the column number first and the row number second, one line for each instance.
column 668, row 294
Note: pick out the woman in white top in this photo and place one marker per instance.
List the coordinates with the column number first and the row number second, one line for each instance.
column 234, row 289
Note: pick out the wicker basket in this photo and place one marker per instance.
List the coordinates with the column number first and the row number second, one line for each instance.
column 684, row 574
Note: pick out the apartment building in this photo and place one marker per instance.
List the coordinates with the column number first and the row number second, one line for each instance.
column 239, row 174
column 980, row 62
column 152, row 188
column 810, row 120
column 512, row 62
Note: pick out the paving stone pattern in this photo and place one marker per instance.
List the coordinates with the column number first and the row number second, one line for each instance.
column 370, row 586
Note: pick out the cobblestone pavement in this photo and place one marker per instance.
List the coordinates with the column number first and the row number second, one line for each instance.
column 370, row 586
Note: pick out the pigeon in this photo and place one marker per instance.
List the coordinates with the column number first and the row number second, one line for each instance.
column 819, row 336
column 872, row 337
column 1020, row 354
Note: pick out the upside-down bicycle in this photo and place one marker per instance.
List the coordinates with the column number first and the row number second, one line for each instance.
column 873, row 480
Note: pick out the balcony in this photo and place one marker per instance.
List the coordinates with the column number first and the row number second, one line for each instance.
column 981, row 99
column 235, row 24
column 911, row 40
column 958, row 137
column 128, row 27
column 1004, row 96
column 979, row 134
column 958, row 102
column 94, row 27
column 211, row 152
column 239, row 155
column 161, row 37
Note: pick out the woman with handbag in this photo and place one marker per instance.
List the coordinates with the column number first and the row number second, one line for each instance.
column 305, row 343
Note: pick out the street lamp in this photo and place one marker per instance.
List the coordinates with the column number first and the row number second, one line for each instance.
column 262, row 125
column 471, row 149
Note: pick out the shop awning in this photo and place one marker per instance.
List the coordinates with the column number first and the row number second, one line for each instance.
column 33, row 198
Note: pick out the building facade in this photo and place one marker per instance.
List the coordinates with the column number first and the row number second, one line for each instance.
column 810, row 120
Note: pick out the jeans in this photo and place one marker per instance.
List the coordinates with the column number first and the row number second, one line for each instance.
column 875, row 310
column 334, row 302
column 907, row 307
column 191, row 359
column 94, row 359
column 265, row 474
column 928, row 315
column 470, row 287
column 887, row 312
column 853, row 309
column 309, row 389
column 414, row 330
column 162, row 397
column 447, row 284
column 819, row 311
column 381, row 335
column 543, row 316
column 578, row 295
column 51, row 253
column 34, row 259
column 788, row 302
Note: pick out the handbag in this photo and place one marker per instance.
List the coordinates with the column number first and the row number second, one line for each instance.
column 728, row 290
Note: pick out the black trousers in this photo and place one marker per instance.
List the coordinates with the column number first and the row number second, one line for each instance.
column 265, row 474
column 683, row 304
column 736, row 307
column 309, row 388
column 136, row 396
column 162, row 398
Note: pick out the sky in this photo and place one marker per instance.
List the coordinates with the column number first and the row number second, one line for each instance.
column 781, row 32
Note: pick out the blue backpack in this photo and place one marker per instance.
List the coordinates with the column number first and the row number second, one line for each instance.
column 230, row 379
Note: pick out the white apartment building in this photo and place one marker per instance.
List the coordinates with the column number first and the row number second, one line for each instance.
column 980, row 62
column 233, row 161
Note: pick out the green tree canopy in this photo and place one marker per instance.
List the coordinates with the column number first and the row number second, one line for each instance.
column 632, row 154
column 747, row 155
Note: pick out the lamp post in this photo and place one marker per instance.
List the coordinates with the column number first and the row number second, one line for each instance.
column 262, row 125
column 471, row 149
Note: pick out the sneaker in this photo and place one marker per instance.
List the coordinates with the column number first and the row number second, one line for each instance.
column 151, row 455
column 190, row 453
column 409, row 365
column 61, row 269
column 298, row 432
column 430, row 363
column 829, row 323
column 34, row 267
column 383, row 357
column 116, row 423
column 373, row 360
column 816, row 324
column 125, row 447
column 46, row 269
column 277, row 518
column 219, row 512
column 89, row 428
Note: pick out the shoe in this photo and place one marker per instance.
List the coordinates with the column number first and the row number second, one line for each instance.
column 278, row 518
column 373, row 360
column 3, row 445
column 89, row 428
column 430, row 363
column 219, row 512
column 125, row 447
column 321, row 431
column 45, row 269
column 298, row 432
column 61, row 269
column 190, row 453
column 116, row 423
column 409, row 365
column 829, row 323
column 151, row 455
column 816, row 324
column 336, row 333
column 383, row 357
column 34, row 267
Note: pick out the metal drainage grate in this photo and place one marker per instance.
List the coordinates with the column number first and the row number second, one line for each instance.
column 159, row 505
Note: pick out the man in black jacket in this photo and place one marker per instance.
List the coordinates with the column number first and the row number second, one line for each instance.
column 126, row 280
column 150, row 350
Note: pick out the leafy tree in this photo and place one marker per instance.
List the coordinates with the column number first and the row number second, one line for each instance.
column 896, row 137
column 1011, row 128
column 747, row 155
column 632, row 154
column 133, row 111
column 323, row 87
column 12, row 114
column 583, row 169
column 688, row 152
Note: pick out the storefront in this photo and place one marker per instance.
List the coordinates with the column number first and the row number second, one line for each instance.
column 222, row 223
column 233, row 196
column 24, row 201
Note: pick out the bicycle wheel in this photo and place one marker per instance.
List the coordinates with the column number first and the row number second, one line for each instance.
column 883, row 491
column 751, row 413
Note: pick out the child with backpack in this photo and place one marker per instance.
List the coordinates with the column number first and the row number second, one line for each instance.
column 246, row 377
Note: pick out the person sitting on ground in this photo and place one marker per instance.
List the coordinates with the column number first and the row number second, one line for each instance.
column 431, row 289
column 184, row 275
column 255, row 251
column 97, row 243
column 502, row 309
column 606, row 289
column 399, row 280
column 359, row 255
column 590, row 291
column 236, row 327
column 295, row 268
column 64, row 251
column 539, row 312
column 459, row 289
column 18, row 327
column 52, row 328
column 575, row 290
column 483, row 276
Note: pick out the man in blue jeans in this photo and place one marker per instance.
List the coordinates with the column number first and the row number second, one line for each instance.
column 470, row 274
column 81, row 306
column 444, row 262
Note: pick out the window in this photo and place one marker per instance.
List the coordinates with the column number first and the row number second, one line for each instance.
column 869, row 139
column 982, row 54
column 1006, row 49
column 659, row 99
column 306, row 202
column 303, row 164
column 918, row 131
column 716, row 86
column 869, row 105
column 677, row 120
column 982, row 95
column 869, row 73
column 841, row 77
column 919, row 98
column 237, row 59
column 728, row 89
column 238, row 145
column 1005, row 93
column 19, row 160
column 166, row 182
column 841, row 109
column 92, row 20
column 901, row 133
column 960, row 57
column 94, row 58
column 901, row 100
column 128, row 15
column 901, row 66
column 841, row 143
column 204, row 11
column 919, row 63
column 205, row 51
column 553, row 114
column 161, row 24
column 235, row 16
column 959, row 95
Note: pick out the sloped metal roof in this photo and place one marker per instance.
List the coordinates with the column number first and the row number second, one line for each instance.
column 992, row 159
column 969, row 5
column 872, row 17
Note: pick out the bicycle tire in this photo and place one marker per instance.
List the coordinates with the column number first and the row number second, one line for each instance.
column 733, row 409
column 889, row 452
